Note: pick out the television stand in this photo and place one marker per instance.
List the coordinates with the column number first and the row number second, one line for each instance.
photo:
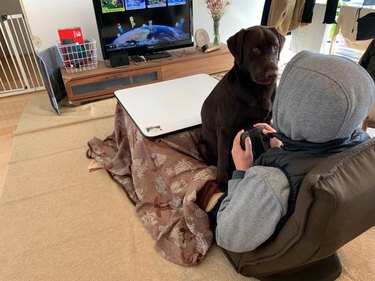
column 103, row 81
column 158, row 55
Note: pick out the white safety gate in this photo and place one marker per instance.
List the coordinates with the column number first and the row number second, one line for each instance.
column 19, row 71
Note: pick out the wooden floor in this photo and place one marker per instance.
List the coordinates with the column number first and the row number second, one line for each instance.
column 11, row 109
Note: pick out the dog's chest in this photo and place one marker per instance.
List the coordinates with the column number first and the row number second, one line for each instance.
column 244, row 98
column 241, row 108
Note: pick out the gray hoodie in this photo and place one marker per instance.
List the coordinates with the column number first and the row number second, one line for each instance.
column 319, row 98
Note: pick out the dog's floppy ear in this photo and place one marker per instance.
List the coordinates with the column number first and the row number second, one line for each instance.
column 280, row 37
column 235, row 45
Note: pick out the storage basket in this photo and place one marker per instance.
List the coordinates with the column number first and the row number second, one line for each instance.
column 79, row 57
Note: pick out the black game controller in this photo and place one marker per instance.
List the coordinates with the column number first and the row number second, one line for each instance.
column 260, row 142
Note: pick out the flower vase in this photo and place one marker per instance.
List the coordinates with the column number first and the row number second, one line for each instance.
column 216, row 31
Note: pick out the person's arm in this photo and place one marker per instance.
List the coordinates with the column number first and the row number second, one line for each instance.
column 255, row 202
column 250, row 213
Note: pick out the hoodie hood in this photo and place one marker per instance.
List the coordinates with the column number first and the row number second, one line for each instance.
column 322, row 98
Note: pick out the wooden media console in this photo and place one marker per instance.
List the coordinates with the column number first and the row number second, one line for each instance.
column 103, row 81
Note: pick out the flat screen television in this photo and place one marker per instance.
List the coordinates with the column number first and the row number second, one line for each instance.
column 144, row 27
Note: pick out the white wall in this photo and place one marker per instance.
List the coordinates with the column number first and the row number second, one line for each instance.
column 240, row 14
column 46, row 16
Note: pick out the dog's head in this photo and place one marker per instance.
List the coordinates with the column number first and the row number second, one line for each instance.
column 256, row 50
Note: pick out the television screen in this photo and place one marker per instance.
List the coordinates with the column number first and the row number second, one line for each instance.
column 141, row 27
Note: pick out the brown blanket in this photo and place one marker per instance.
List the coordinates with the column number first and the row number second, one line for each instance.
column 161, row 177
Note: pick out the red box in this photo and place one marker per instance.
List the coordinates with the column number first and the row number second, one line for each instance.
column 73, row 33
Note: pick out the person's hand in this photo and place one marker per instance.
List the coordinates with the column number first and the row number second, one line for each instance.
column 243, row 159
column 274, row 142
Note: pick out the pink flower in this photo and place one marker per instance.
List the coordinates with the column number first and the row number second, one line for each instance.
column 217, row 7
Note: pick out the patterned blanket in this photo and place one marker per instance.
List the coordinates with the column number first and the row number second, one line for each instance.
column 161, row 177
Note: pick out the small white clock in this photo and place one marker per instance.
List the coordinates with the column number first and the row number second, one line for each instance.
column 201, row 37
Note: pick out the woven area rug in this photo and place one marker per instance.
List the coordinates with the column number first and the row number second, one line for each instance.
column 60, row 222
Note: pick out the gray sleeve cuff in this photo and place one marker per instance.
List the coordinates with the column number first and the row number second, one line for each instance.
column 238, row 174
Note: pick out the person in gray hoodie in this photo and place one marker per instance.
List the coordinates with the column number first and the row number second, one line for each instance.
column 320, row 102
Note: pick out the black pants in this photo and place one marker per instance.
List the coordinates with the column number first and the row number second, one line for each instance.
column 330, row 14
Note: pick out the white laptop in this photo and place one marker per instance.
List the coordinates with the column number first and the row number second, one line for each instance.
column 168, row 106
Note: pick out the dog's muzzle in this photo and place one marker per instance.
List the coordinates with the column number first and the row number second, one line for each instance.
column 266, row 76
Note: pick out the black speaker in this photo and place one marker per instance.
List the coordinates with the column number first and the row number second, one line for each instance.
column 119, row 59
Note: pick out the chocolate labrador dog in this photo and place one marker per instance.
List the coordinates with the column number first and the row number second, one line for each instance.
column 243, row 96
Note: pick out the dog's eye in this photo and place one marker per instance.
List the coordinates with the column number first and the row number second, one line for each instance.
column 275, row 47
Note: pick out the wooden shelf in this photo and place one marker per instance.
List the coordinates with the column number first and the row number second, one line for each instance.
column 103, row 81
